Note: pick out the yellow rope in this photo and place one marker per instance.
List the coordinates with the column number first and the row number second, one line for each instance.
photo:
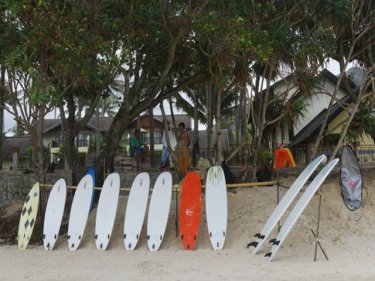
column 177, row 187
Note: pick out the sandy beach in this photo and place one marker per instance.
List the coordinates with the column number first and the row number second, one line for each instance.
column 347, row 237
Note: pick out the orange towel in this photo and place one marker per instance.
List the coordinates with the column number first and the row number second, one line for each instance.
column 283, row 158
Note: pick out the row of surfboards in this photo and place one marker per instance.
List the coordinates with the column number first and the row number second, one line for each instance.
column 158, row 211
column 297, row 210
column 190, row 210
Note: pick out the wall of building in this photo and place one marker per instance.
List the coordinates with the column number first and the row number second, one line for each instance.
column 317, row 103
column 16, row 185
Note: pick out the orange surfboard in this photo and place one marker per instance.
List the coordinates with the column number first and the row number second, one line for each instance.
column 190, row 210
column 183, row 157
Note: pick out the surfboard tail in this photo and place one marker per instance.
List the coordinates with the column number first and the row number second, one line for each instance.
column 252, row 244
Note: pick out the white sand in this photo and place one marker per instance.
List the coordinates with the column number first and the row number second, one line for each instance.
column 348, row 238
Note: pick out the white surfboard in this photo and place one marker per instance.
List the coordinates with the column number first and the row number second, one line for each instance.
column 106, row 211
column 136, row 210
column 79, row 212
column 300, row 207
column 216, row 206
column 285, row 203
column 28, row 217
column 54, row 214
column 158, row 211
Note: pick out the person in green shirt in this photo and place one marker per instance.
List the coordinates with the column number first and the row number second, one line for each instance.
column 137, row 147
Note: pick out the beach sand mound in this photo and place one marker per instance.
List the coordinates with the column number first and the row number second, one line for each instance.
column 347, row 237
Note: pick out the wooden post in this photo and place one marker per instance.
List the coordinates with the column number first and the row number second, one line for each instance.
column 15, row 151
column 316, row 235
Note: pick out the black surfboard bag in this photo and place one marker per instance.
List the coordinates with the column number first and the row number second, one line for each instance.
column 350, row 179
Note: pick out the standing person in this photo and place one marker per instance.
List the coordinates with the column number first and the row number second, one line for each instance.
column 183, row 156
column 183, row 134
column 136, row 147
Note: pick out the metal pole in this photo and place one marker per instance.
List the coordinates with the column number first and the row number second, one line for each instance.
column 176, row 218
column 278, row 198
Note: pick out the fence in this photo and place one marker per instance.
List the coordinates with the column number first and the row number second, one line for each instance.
column 24, row 163
column 364, row 153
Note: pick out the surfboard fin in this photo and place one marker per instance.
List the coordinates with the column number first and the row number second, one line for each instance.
column 252, row 244
column 257, row 235
column 268, row 255
column 96, row 236
column 124, row 236
column 274, row 241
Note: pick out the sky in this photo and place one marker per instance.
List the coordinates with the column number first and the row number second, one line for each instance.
column 9, row 122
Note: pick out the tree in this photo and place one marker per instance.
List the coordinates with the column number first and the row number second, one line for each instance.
column 156, row 36
column 4, row 47
column 158, row 49
column 29, row 101
column 353, row 29
column 203, row 107
column 2, row 93
column 72, row 46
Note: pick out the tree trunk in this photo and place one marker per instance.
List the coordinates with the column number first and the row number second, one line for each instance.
column 34, row 154
column 219, row 152
column 2, row 92
column 97, row 131
column 69, row 126
column 196, row 136
column 152, row 140
column 262, row 123
column 174, row 125
column 343, row 66
column 324, row 124
column 209, row 117
column 237, row 121
column 345, row 129
column 242, row 118
column 40, row 152
column 72, row 156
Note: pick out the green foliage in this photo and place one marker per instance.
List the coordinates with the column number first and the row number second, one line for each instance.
column 73, row 51
column 363, row 123
column 265, row 158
